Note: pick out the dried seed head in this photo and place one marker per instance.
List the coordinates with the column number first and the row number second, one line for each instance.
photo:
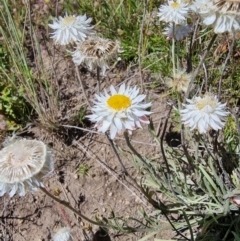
column 23, row 163
column 227, row 6
column 180, row 81
column 96, row 52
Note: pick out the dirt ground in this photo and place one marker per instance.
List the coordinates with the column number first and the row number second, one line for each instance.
column 35, row 217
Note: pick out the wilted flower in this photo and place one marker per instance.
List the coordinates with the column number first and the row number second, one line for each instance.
column 223, row 15
column 204, row 113
column 63, row 234
column 180, row 81
column 96, row 52
column 175, row 11
column 119, row 111
column 180, row 31
column 71, row 28
column 23, row 164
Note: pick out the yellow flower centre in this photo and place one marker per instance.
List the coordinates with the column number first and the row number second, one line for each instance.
column 207, row 100
column 119, row 102
column 68, row 20
column 175, row 5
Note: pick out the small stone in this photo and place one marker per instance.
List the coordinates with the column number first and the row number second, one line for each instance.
column 110, row 194
column 75, row 176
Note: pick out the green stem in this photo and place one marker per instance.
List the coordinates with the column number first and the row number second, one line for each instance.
column 173, row 50
column 116, row 154
column 67, row 205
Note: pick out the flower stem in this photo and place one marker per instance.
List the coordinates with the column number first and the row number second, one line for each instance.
column 98, row 80
column 82, row 87
column 173, row 50
column 199, row 65
column 116, row 154
column 67, row 205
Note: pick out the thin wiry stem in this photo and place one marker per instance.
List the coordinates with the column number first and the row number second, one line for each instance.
column 225, row 64
column 173, row 50
column 82, row 87
column 67, row 205
column 140, row 43
column 98, row 80
column 199, row 66
column 165, row 158
column 116, row 154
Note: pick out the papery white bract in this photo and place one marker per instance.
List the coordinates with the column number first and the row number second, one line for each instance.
column 180, row 31
column 204, row 113
column 119, row 111
column 223, row 15
column 63, row 234
column 175, row 11
column 23, row 164
column 96, row 52
column 71, row 29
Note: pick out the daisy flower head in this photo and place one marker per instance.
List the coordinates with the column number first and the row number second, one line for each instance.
column 223, row 15
column 175, row 11
column 204, row 113
column 181, row 31
column 120, row 110
column 63, row 234
column 96, row 52
column 71, row 28
column 23, row 164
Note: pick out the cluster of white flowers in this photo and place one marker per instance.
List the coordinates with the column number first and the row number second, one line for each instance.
column 222, row 15
column 91, row 49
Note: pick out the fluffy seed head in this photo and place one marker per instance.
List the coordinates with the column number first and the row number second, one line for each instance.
column 23, row 163
column 227, row 6
column 180, row 81
column 204, row 113
column 96, row 52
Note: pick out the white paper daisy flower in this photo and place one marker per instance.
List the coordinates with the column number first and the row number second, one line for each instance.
column 119, row 111
column 175, row 11
column 96, row 52
column 181, row 31
column 204, row 113
column 23, row 164
column 63, row 234
column 223, row 15
column 71, row 28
